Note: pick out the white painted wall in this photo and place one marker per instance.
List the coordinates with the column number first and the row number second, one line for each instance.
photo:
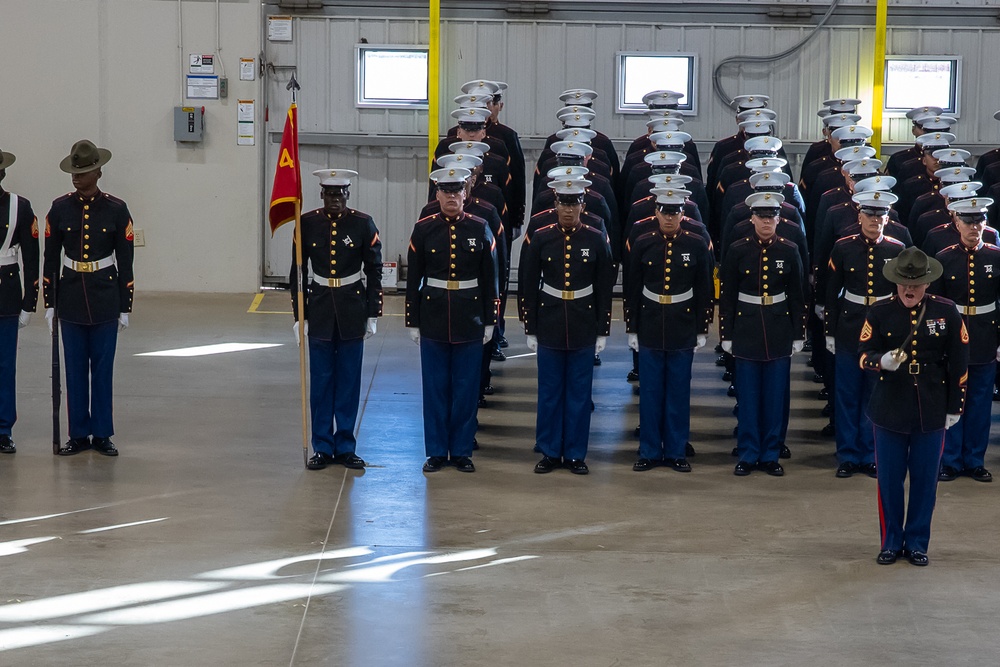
column 109, row 71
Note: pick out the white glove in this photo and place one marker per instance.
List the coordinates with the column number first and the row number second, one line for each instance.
column 831, row 345
column 819, row 312
column 700, row 341
column 797, row 346
column 487, row 333
column 533, row 343
column 998, row 354
column 23, row 319
column 515, row 233
column 951, row 420
column 371, row 327
column 123, row 322
column 602, row 342
column 633, row 342
column 727, row 346
column 414, row 334
column 50, row 315
column 890, row 363
column 295, row 330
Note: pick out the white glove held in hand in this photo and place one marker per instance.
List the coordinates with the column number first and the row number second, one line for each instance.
column 727, row 346
column 414, row 334
column 487, row 333
column 295, row 330
column 951, row 420
column 633, row 342
column 123, row 322
column 50, row 315
column 533, row 343
column 831, row 345
column 797, row 346
column 889, row 362
column 700, row 341
column 23, row 319
column 602, row 342
column 819, row 312
column 371, row 326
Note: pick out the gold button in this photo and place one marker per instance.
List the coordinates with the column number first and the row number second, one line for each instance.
column 913, row 321
column 333, row 261
column 870, row 283
column 668, row 261
column 86, row 216
column 85, row 255
column 86, row 207
column 567, row 255
column 334, row 232
column 569, row 247
column 667, row 270
column 972, row 282
column 86, row 226
column 871, row 266
column 764, row 277
column 453, row 237
column 765, row 287
column 86, row 236
column 972, row 291
column 453, row 255
column 670, row 252
column 567, row 265
column 453, row 266
column 86, row 246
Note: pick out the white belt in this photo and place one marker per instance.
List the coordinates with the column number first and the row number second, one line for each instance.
column 89, row 267
column 451, row 284
column 667, row 299
column 568, row 295
column 977, row 310
column 337, row 282
column 761, row 300
column 864, row 300
column 9, row 259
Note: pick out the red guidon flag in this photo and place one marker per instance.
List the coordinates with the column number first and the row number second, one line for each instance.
column 287, row 190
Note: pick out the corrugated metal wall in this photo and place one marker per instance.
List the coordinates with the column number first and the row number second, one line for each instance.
column 539, row 59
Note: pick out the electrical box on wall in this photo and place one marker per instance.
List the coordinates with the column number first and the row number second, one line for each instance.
column 189, row 123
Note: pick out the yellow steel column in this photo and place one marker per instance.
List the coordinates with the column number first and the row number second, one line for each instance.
column 433, row 80
column 878, row 73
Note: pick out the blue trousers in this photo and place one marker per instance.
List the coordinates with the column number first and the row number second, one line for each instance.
column 965, row 442
column 89, row 353
column 762, row 389
column 8, row 368
column 565, row 382
column 853, row 391
column 450, row 379
column 895, row 455
column 664, row 402
column 334, row 392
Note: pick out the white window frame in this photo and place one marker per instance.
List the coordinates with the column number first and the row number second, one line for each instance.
column 689, row 103
column 360, row 100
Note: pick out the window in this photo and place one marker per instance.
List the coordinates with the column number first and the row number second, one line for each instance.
column 640, row 73
column 915, row 81
column 391, row 76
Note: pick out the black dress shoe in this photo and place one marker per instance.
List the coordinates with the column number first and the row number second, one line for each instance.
column 727, row 376
column 817, row 378
column 827, row 410
column 947, row 474
column 996, row 394
column 829, row 430
column 547, row 464
column 823, row 394
column 463, row 464
column 642, row 465
column 736, row 451
column 317, row 461
column 498, row 355
column 350, row 460
column 743, row 469
column 475, row 444
column 633, row 376
column 481, row 403
column 847, row 469
column 435, row 463
column 502, row 342
column 868, row 469
column 980, row 474
column 720, row 360
column 731, row 392
column 772, row 468
column 785, row 452
column 74, row 446
column 597, row 360
column 488, row 390
column 680, row 465
column 104, row 446
column 536, row 449
column 689, row 450
column 887, row 557
column 807, row 346
column 7, row 445
column 577, row 466
column 918, row 558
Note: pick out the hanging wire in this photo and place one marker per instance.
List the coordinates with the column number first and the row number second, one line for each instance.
column 725, row 97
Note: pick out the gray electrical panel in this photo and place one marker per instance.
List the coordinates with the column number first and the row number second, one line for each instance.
column 189, row 123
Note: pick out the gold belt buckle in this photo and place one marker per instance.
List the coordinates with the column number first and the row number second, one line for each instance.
column 85, row 267
column 970, row 310
column 870, row 300
column 766, row 300
column 666, row 299
column 333, row 282
column 914, row 368
column 452, row 284
column 568, row 295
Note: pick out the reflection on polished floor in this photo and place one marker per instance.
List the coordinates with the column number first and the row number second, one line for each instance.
column 207, row 542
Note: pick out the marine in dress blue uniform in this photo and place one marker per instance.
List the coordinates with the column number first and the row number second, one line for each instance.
column 451, row 310
column 18, row 293
column 342, row 245
column 853, row 282
column 668, row 307
column 762, row 319
column 89, row 238
column 971, row 278
column 566, row 309
column 918, row 344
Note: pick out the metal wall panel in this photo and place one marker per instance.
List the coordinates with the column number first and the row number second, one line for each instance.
column 541, row 58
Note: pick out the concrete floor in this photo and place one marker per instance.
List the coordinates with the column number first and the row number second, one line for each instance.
column 246, row 558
